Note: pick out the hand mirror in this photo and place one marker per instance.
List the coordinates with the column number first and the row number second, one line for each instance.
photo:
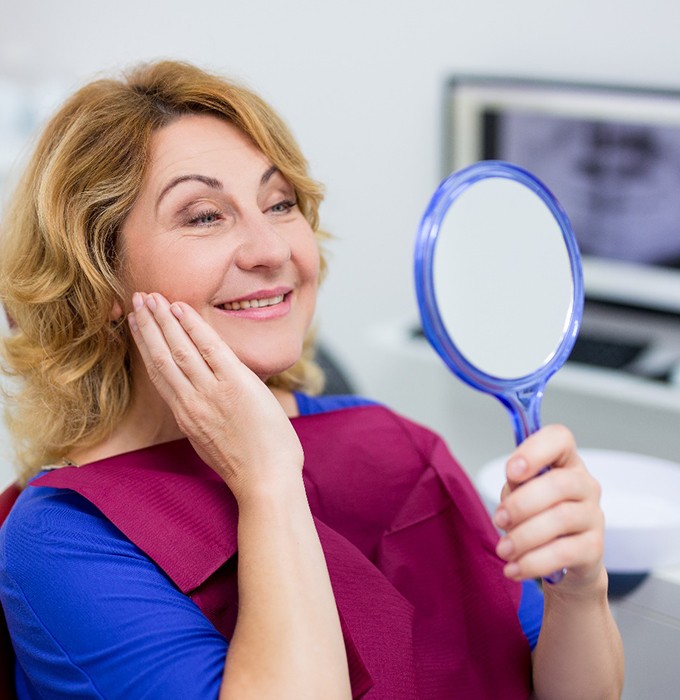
column 499, row 285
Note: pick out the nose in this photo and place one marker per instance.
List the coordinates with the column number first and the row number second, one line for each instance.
column 262, row 245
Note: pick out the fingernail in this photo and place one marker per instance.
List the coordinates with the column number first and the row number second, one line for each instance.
column 133, row 323
column 137, row 301
column 511, row 570
column 176, row 310
column 151, row 302
column 517, row 467
column 502, row 518
column 505, row 548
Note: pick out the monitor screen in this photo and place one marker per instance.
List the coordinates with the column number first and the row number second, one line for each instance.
column 618, row 181
column 611, row 156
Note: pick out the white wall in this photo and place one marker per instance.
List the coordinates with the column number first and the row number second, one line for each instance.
column 361, row 83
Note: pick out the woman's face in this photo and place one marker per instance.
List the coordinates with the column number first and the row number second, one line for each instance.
column 217, row 226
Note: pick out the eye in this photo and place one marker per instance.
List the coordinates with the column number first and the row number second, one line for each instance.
column 284, row 206
column 205, row 218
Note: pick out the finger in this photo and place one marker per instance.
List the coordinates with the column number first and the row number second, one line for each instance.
column 574, row 553
column 566, row 519
column 545, row 492
column 183, row 351
column 217, row 354
column 168, row 379
column 553, row 446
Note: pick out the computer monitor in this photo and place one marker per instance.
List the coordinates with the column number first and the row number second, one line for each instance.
column 611, row 155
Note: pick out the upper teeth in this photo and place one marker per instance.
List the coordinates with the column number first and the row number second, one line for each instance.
column 253, row 303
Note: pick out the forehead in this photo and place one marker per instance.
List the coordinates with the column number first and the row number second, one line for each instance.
column 204, row 142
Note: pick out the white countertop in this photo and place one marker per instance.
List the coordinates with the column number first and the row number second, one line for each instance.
column 671, row 574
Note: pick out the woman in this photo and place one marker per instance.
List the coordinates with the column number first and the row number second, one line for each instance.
column 160, row 262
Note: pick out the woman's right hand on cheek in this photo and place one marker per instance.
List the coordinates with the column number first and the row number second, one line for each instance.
column 232, row 419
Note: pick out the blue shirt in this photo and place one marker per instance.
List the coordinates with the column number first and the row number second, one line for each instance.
column 134, row 633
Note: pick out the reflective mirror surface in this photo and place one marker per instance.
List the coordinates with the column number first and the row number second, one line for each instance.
column 502, row 278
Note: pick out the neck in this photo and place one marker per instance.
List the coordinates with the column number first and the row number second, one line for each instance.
column 145, row 423
column 149, row 421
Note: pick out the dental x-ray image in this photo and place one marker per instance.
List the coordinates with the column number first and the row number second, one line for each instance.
column 619, row 182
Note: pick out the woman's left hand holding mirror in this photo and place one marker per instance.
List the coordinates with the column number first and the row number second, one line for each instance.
column 553, row 521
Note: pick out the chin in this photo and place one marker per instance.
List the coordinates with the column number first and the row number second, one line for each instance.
column 264, row 368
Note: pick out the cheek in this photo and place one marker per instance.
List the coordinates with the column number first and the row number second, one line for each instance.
column 309, row 260
column 148, row 268
column 313, row 269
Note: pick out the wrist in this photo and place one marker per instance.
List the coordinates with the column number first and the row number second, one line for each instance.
column 575, row 588
column 280, row 492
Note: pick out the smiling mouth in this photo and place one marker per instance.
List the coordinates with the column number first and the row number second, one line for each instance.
column 252, row 303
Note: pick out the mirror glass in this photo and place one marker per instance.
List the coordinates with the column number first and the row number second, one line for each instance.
column 502, row 278
column 499, row 284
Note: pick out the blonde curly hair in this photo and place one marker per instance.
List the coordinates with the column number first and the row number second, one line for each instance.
column 59, row 266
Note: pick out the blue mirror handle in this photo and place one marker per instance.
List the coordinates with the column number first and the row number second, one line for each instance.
column 524, row 408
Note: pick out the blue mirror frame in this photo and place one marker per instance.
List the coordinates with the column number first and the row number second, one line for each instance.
column 521, row 395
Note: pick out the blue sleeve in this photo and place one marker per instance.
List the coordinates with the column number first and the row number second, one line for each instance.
column 309, row 405
column 91, row 616
column 531, row 611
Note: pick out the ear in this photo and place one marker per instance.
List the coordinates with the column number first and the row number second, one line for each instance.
column 117, row 311
column 11, row 323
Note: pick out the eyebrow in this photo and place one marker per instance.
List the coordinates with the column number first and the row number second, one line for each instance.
column 211, row 182
column 208, row 181
column 267, row 176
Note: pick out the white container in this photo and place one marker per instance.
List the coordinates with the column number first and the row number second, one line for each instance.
column 640, row 500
